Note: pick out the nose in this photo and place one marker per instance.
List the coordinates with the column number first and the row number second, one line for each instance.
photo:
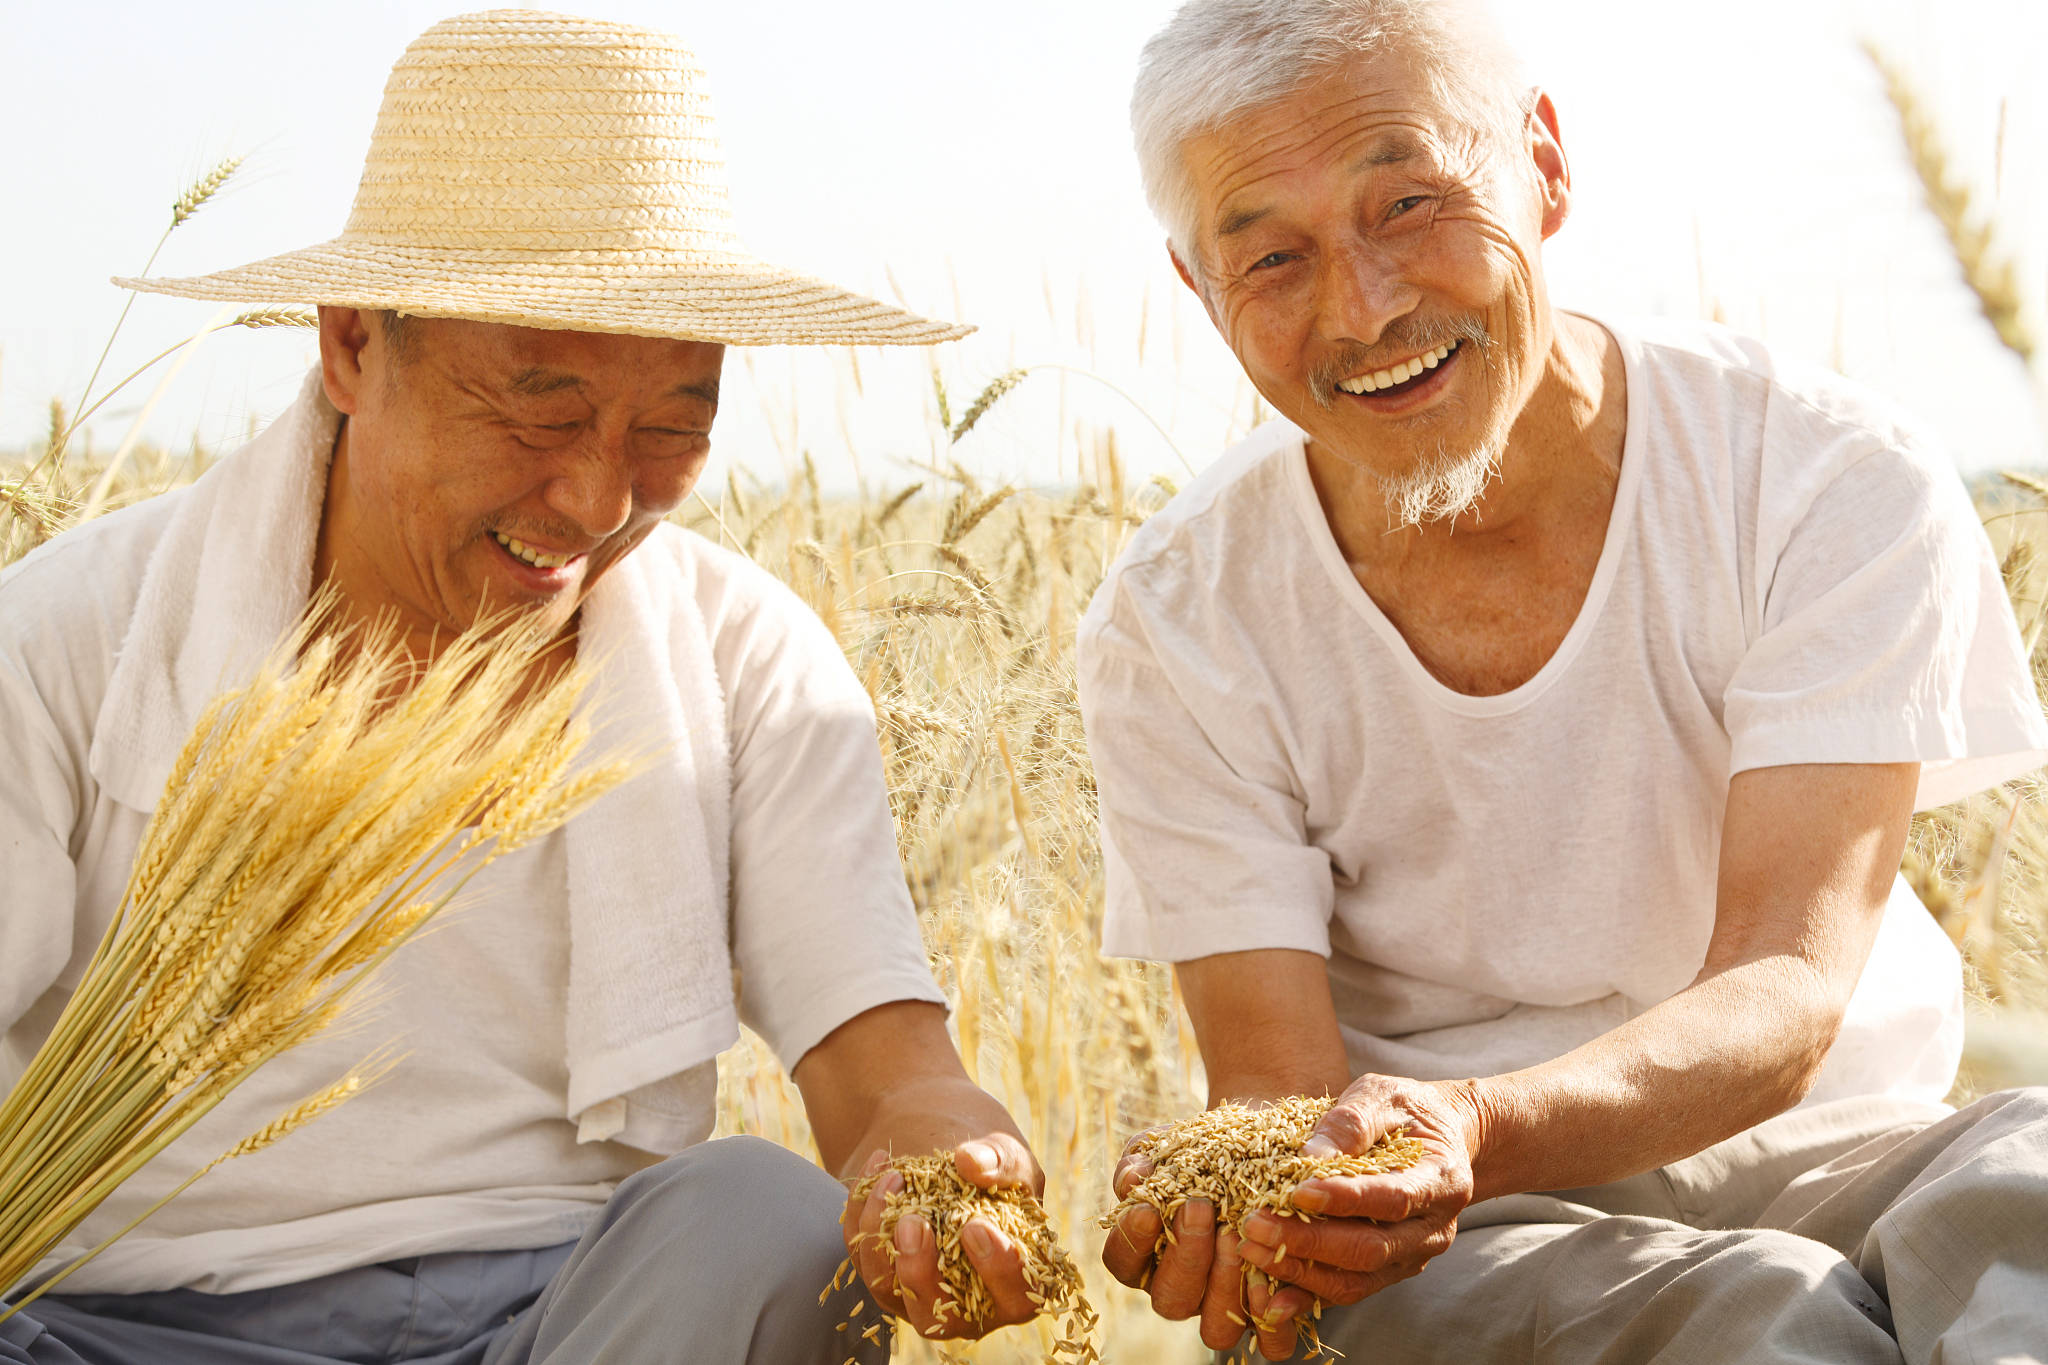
column 592, row 486
column 1359, row 292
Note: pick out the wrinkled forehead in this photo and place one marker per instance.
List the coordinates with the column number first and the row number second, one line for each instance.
column 1366, row 114
column 536, row 361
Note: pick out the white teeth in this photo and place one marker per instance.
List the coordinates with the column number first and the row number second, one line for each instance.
column 527, row 553
column 1399, row 374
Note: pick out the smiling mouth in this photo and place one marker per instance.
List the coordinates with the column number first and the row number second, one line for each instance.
column 1401, row 376
column 527, row 554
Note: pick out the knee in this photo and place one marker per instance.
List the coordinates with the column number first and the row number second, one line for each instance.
column 751, row 1202
column 1799, row 1282
column 2018, row 1107
column 1755, row 1292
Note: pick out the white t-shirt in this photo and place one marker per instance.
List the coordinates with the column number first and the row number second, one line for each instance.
column 470, row 1143
column 1788, row 576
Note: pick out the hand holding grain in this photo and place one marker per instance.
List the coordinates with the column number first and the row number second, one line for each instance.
column 1197, row 1270
column 907, row 1284
column 1190, row 1193
column 1368, row 1230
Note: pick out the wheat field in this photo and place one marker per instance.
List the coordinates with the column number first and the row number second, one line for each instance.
column 956, row 603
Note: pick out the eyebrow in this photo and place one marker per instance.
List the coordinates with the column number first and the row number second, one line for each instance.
column 1240, row 219
column 537, row 381
column 1391, row 150
column 1388, row 151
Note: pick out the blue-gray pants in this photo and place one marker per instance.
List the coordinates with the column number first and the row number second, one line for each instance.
column 717, row 1255
column 1863, row 1232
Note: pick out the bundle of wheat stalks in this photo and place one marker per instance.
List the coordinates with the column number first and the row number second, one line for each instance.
column 934, row 1188
column 1244, row 1159
column 316, row 819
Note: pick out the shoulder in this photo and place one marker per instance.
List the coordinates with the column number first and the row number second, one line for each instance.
column 742, row 603
column 1782, row 434
column 69, row 601
column 1699, row 367
column 773, row 655
column 1182, row 561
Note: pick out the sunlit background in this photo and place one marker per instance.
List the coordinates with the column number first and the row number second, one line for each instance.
column 1737, row 159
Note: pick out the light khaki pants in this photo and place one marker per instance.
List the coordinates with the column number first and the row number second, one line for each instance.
column 1859, row 1231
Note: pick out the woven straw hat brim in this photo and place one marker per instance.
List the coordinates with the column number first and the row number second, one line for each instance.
column 734, row 300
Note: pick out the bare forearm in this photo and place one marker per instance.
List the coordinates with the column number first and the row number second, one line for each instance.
column 890, row 1080
column 1723, row 1055
column 1265, row 1025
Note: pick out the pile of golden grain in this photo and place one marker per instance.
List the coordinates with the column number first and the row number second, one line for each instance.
column 934, row 1188
column 1243, row 1160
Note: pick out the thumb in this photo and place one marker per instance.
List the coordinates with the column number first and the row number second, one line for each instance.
column 996, row 1159
column 1350, row 1128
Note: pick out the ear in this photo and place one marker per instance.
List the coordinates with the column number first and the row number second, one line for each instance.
column 344, row 335
column 1187, row 277
column 1553, row 168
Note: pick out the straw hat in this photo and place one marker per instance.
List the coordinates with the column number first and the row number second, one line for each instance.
column 549, row 171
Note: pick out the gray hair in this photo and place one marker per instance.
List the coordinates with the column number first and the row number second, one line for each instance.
column 1219, row 59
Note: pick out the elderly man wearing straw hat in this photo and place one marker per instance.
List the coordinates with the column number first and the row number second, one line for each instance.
column 521, row 331
column 1518, row 743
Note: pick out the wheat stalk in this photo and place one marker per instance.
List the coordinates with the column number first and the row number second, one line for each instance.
column 1991, row 275
column 204, row 188
column 316, row 819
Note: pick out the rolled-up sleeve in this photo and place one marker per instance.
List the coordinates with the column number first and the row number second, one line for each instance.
column 823, row 925
column 1204, row 849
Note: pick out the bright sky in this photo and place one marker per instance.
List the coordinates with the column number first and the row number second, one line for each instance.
column 1738, row 154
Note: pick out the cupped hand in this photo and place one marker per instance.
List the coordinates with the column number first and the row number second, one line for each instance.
column 906, row 1284
column 1197, row 1272
column 1369, row 1231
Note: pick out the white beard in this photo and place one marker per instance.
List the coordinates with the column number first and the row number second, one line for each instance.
column 1442, row 485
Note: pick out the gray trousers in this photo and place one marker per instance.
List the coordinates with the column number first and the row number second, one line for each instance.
column 1861, row 1231
column 717, row 1255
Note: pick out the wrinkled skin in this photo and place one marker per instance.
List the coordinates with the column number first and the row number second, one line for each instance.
column 1351, row 225
column 576, row 443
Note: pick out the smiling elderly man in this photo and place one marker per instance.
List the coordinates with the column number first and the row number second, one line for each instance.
column 543, row 199
column 1518, row 742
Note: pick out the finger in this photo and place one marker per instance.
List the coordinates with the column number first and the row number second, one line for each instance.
column 1000, row 1263
column 998, row 1159
column 1272, row 1323
column 1331, row 1284
column 1348, row 1243
column 1388, row 1198
column 917, row 1272
column 1292, row 1305
column 1351, row 1126
column 872, row 1254
column 1130, row 1172
column 1223, row 1319
column 1127, row 1251
column 850, row 1216
column 1183, row 1274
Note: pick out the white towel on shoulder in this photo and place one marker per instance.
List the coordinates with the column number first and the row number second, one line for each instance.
column 651, row 1000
